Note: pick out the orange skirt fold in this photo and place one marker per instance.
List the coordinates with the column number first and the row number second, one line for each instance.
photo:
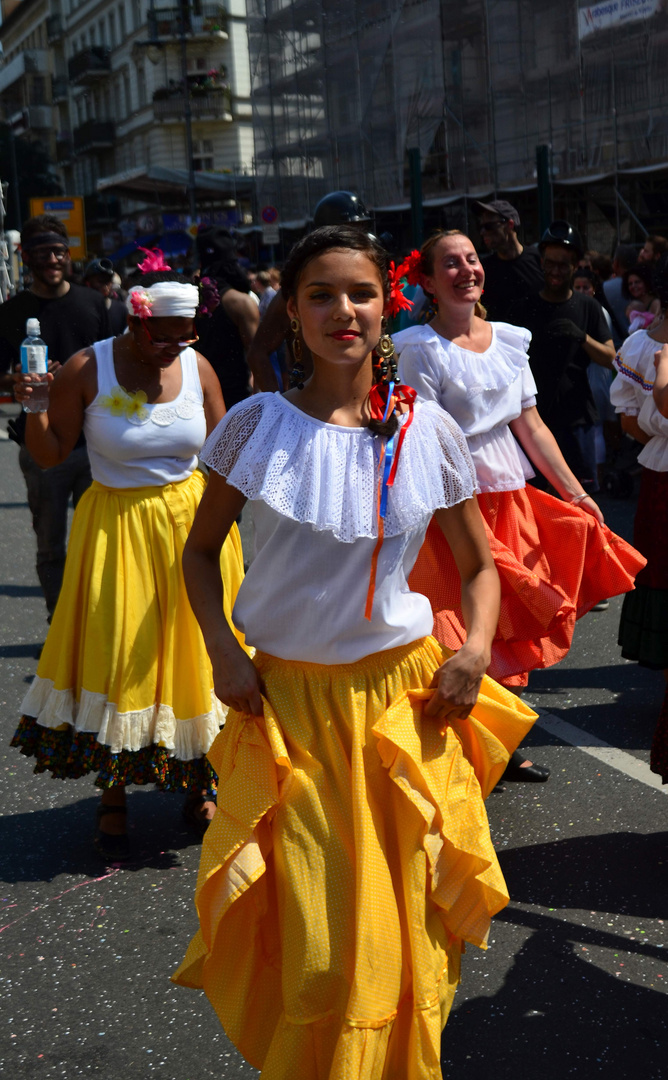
column 555, row 563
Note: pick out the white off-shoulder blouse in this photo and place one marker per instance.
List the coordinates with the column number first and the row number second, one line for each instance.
column 631, row 394
column 312, row 490
column 482, row 391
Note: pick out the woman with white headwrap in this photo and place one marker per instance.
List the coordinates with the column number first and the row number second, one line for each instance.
column 124, row 686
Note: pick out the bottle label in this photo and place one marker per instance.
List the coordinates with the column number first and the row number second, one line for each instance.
column 33, row 359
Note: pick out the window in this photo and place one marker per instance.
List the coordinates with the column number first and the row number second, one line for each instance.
column 112, row 29
column 141, row 85
column 203, row 155
column 127, row 92
column 121, row 22
column 136, row 13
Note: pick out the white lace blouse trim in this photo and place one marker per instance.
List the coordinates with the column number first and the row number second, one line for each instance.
column 473, row 372
column 326, row 476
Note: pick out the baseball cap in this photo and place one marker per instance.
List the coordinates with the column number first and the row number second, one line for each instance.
column 498, row 206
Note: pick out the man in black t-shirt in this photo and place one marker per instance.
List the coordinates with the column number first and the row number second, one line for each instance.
column 569, row 331
column 511, row 272
column 70, row 317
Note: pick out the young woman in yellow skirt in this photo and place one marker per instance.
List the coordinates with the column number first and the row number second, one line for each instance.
column 350, row 855
column 124, row 686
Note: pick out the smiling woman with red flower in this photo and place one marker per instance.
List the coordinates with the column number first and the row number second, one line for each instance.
column 556, row 559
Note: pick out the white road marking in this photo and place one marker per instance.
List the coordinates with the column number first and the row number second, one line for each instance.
column 602, row 751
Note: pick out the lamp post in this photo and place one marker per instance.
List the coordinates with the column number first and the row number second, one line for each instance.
column 187, row 111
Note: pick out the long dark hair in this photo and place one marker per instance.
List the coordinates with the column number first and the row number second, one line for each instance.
column 337, row 238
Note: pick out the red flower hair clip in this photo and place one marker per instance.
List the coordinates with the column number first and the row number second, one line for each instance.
column 397, row 302
column 155, row 260
column 411, row 268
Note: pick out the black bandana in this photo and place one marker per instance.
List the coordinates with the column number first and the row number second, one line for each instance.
column 45, row 238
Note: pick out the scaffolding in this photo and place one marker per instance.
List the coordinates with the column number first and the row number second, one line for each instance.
column 342, row 89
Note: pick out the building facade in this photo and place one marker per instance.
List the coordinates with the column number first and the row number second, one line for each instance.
column 105, row 83
column 343, row 89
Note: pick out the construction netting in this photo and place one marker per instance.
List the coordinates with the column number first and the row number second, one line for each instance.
column 342, row 89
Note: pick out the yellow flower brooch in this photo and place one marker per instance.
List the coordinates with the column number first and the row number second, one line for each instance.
column 132, row 406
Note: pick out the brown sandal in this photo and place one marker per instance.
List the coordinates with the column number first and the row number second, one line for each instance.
column 109, row 846
column 194, row 813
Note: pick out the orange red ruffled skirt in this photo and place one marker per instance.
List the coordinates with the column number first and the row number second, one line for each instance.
column 555, row 563
column 349, row 857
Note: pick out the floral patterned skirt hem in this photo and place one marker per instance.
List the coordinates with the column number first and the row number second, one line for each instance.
column 68, row 754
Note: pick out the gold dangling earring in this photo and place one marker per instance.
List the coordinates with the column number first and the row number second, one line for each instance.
column 385, row 351
column 297, row 373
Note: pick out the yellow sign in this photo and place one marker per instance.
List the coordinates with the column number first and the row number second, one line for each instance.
column 70, row 210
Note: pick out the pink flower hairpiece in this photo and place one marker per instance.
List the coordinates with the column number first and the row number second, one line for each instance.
column 398, row 302
column 209, row 297
column 155, row 260
column 142, row 304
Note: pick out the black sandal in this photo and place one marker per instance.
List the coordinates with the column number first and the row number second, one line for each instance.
column 110, row 847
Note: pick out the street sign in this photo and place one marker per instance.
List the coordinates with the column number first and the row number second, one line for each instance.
column 70, row 210
column 269, row 215
column 271, row 234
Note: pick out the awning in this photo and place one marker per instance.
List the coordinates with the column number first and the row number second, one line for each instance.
column 149, row 179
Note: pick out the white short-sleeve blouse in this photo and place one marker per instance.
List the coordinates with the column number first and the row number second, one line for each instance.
column 482, row 391
column 312, row 490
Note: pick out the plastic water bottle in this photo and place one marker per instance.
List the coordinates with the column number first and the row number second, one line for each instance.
column 34, row 361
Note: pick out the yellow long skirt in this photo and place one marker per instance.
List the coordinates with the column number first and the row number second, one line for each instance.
column 349, row 858
column 124, row 672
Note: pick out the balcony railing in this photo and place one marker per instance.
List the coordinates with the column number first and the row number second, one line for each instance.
column 94, row 135
column 59, row 88
column 39, row 117
column 166, row 22
column 89, row 65
column 26, row 118
column 214, row 105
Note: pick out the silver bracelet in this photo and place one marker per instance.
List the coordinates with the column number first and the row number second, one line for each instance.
column 579, row 498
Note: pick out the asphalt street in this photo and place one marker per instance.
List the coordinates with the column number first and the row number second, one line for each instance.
column 573, row 985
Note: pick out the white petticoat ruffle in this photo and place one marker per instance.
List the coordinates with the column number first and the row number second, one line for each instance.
column 327, row 476
column 186, row 740
column 472, row 372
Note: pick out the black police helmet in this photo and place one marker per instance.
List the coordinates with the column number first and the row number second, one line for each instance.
column 561, row 232
column 99, row 267
column 340, row 208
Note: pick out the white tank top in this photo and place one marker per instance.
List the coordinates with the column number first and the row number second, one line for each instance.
column 132, row 444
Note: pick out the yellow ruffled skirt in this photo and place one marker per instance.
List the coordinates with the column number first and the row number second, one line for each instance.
column 124, row 685
column 349, row 857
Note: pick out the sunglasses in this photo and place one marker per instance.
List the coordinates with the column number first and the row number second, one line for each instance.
column 43, row 255
column 160, row 343
column 487, row 226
